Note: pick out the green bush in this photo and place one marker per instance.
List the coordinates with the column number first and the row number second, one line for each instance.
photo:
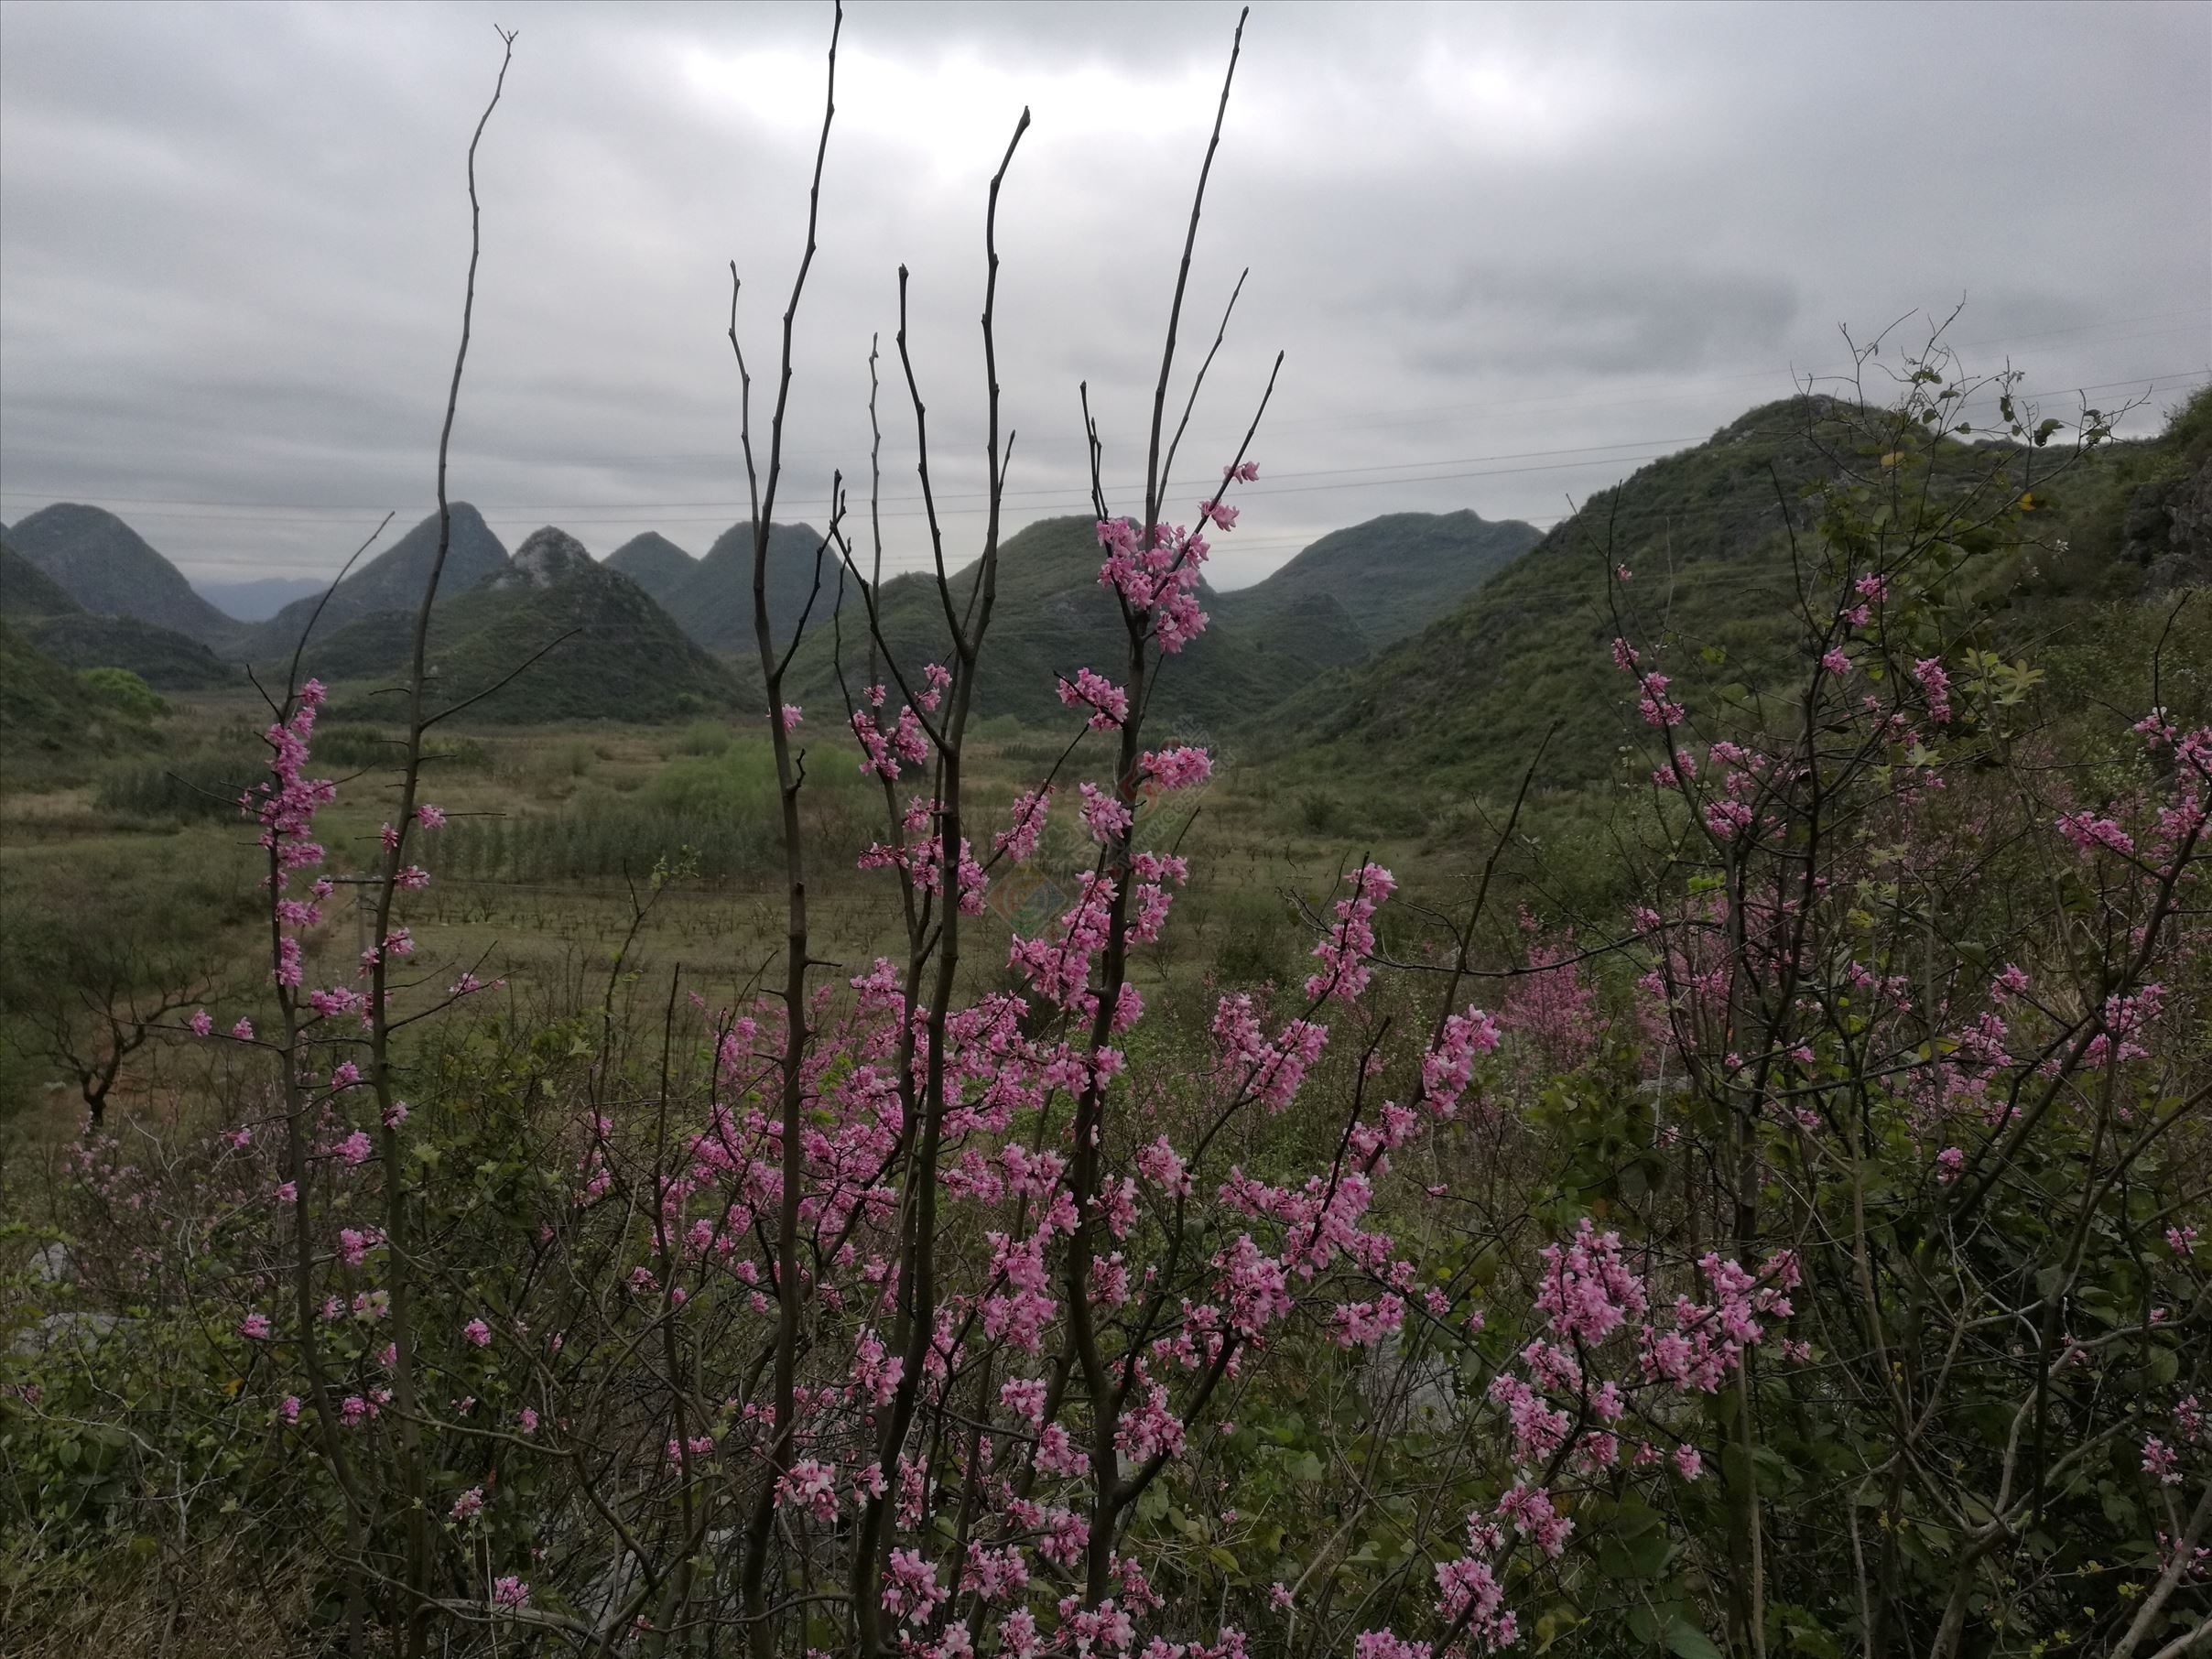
column 122, row 690
column 706, row 737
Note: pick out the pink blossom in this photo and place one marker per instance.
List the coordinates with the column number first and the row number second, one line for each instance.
column 811, row 1486
column 939, row 679
column 201, row 1023
column 2089, row 832
column 2160, row 1460
column 1108, row 703
column 256, row 1328
column 911, row 1589
column 478, row 1333
column 1107, row 818
column 1935, row 686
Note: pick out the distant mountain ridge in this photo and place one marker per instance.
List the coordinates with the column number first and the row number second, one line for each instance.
column 258, row 598
column 714, row 602
column 1051, row 618
column 1329, row 607
column 610, row 652
column 109, row 569
column 1463, row 703
column 393, row 580
column 655, row 564
column 53, row 623
column 1392, row 575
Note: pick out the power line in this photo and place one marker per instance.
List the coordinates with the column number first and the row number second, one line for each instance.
column 1063, row 499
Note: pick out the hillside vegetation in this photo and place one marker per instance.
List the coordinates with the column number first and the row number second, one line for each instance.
column 393, row 580
column 1050, row 618
column 655, row 564
column 713, row 601
column 1392, row 575
column 74, row 637
column 108, row 567
column 1704, row 536
column 610, row 652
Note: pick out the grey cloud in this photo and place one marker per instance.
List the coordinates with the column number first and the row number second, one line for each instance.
column 1617, row 320
column 233, row 238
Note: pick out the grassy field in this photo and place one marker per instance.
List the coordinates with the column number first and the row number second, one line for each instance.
column 142, row 877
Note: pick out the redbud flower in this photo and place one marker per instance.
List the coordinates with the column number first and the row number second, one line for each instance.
column 2159, row 1459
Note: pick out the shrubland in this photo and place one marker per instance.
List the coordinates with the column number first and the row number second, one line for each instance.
column 1752, row 1210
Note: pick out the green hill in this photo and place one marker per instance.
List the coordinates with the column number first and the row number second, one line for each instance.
column 655, row 564
column 1462, row 705
column 714, row 602
column 26, row 591
column 54, row 722
column 164, row 658
column 1052, row 618
column 108, row 567
column 623, row 657
column 1294, row 634
column 1392, row 575
column 393, row 580
column 74, row 637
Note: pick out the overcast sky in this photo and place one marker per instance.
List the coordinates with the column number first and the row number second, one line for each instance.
column 1512, row 252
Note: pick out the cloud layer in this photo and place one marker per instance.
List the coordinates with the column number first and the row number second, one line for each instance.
column 1510, row 253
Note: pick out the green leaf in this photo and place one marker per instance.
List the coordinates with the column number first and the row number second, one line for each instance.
column 1685, row 1641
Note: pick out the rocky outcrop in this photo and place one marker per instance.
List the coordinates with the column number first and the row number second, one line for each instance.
column 2168, row 531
